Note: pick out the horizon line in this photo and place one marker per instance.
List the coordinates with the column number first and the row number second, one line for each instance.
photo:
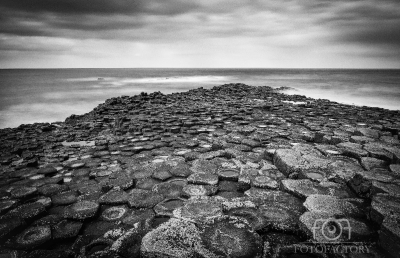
column 241, row 68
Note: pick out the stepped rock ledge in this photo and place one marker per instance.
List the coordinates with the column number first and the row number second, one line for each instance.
column 231, row 171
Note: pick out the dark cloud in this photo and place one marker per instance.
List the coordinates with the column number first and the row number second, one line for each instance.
column 286, row 24
column 100, row 6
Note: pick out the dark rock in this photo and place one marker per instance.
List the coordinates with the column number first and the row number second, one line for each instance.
column 232, row 237
column 139, row 198
column 33, row 237
column 82, row 210
column 65, row 198
column 66, row 229
column 114, row 197
column 114, row 213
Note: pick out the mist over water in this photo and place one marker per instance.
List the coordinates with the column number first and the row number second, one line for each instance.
column 47, row 95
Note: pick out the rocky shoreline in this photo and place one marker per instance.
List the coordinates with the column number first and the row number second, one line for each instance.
column 233, row 171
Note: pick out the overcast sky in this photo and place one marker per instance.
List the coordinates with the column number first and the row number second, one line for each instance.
column 200, row 33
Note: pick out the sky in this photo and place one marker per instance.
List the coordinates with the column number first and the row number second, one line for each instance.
column 200, row 33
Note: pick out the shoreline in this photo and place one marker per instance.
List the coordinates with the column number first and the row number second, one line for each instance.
column 235, row 159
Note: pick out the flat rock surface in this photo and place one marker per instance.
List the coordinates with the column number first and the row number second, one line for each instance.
column 230, row 171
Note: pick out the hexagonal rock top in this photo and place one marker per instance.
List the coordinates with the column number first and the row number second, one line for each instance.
column 82, row 210
column 232, row 237
column 203, row 179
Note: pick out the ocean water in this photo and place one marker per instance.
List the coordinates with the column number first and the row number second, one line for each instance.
column 49, row 95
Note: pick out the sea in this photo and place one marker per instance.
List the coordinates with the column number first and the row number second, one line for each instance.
column 50, row 95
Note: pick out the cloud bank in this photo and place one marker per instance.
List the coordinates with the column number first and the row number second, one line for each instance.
column 200, row 33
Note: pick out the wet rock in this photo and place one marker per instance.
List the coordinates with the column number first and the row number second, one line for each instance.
column 353, row 150
column 198, row 190
column 228, row 174
column 175, row 238
column 253, row 217
column 48, row 170
column 389, row 236
column 181, row 170
column 384, row 206
column 33, row 237
column 27, row 211
column 232, row 237
column 82, row 210
column 23, row 192
column 331, row 205
column 144, row 216
column 114, row 213
column 114, row 197
column 139, row 198
column 52, row 189
column 325, row 228
column 166, row 207
column 9, row 227
column 6, row 205
column 265, row 182
column 147, row 183
column 65, row 198
column 303, row 188
column 203, row 179
column 369, row 163
column 66, row 229
column 199, row 209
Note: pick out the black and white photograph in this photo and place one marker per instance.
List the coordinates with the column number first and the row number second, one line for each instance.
column 199, row 129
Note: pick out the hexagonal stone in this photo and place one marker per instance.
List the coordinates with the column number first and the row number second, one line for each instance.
column 353, row 150
column 369, row 163
column 166, row 207
column 138, row 216
column 174, row 238
column 343, row 169
column 82, row 210
column 52, row 189
column 384, row 205
column 47, row 170
column 66, row 229
column 204, row 166
column 10, row 226
column 115, row 213
column 65, row 198
column 198, row 190
column 232, row 237
column 33, row 237
column 27, row 211
column 6, row 205
column 303, row 188
column 228, row 174
column 389, row 236
column 264, row 182
column 139, row 198
column 114, row 197
column 199, row 209
column 181, row 170
column 146, row 183
column 279, row 218
column 395, row 168
column 161, row 175
column 97, row 228
column 203, row 179
column 324, row 228
column 254, row 218
column 172, row 188
column 331, row 205
column 23, row 192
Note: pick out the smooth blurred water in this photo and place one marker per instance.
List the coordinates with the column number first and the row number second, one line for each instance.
column 49, row 95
